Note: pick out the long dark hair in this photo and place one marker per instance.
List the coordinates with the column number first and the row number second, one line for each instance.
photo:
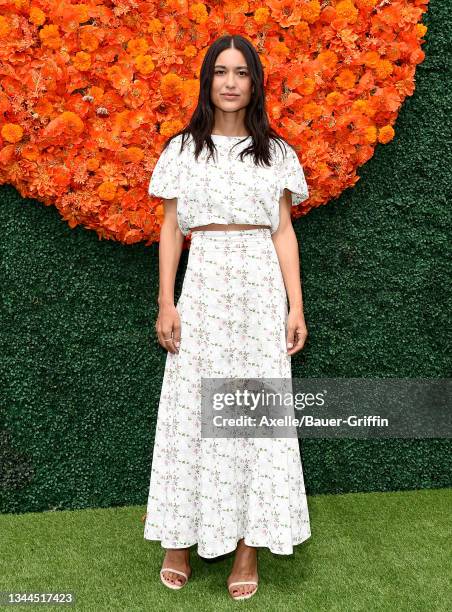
column 256, row 120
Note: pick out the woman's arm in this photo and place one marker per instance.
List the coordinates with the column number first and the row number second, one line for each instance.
column 170, row 249
column 286, row 246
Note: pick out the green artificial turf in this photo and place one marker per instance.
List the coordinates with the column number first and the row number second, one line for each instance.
column 367, row 552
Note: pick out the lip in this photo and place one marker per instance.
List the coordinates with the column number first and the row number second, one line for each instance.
column 230, row 95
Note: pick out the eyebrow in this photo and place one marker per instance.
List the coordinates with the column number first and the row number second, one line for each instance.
column 219, row 66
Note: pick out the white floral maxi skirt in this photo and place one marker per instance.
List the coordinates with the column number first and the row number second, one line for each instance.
column 214, row 491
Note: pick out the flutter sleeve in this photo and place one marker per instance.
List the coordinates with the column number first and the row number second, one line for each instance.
column 164, row 181
column 292, row 177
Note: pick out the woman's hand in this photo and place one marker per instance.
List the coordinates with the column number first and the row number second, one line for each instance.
column 167, row 327
column 297, row 331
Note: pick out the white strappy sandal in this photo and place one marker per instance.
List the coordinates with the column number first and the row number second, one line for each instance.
column 243, row 595
column 169, row 584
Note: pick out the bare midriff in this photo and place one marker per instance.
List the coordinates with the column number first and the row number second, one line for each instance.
column 226, row 227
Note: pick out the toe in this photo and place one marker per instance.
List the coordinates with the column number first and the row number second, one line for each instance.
column 170, row 577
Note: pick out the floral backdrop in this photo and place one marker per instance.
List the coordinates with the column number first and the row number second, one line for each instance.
column 89, row 92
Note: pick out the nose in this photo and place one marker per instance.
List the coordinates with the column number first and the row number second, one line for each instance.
column 230, row 80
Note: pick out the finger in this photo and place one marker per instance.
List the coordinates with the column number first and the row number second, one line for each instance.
column 170, row 346
column 158, row 332
column 160, row 336
column 168, row 342
column 300, row 339
column 290, row 337
column 162, row 340
column 176, row 335
column 299, row 343
column 175, row 338
column 172, row 336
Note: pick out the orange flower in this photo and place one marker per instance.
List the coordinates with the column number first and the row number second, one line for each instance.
column 370, row 134
column 81, row 12
column 137, row 46
column 137, row 95
column 311, row 110
column 307, row 87
column 43, row 107
column 310, row 11
column 286, row 12
column 30, row 152
column 133, row 154
column 421, row 30
column 383, row 69
column 159, row 212
column 366, row 4
column 107, row 191
column 155, row 26
column 82, row 61
column 333, row 98
column 302, row 32
column 4, row 27
column 120, row 77
column 37, row 16
column 363, row 107
column 370, row 58
column 347, row 10
column 50, row 37
column 8, row 156
column 190, row 51
column 90, row 92
column 72, row 121
column 92, row 164
column 198, row 12
column 88, row 39
column 12, row 132
column 280, row 50
column 144, row 64
column 190, row 89
column 327, row 60
column 345, row 79
column 385, row 134
column 167, row 128
column 261, row 15
column 22, row 5
column 170, row 85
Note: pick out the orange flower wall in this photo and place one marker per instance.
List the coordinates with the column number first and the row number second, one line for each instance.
column 90, row 91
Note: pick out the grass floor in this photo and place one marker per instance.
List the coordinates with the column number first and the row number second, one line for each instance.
column 367, row 552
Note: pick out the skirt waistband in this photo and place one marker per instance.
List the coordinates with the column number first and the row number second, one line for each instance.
column 217, row 236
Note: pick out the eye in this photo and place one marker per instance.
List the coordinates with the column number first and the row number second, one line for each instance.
column 242, row 72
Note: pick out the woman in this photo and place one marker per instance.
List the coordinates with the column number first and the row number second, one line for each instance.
column 231, row 320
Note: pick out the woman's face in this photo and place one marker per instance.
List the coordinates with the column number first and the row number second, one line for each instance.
column 231, row 75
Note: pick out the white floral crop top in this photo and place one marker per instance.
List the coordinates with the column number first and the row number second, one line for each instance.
column 228, row 190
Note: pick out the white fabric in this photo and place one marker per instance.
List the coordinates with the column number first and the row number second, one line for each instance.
column 227, row 190
column 214, row 491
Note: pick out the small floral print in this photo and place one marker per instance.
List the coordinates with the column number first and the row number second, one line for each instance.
column 213, row 491
column 231, row 191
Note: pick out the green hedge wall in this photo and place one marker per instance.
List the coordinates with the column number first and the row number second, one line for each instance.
column 82, row 369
